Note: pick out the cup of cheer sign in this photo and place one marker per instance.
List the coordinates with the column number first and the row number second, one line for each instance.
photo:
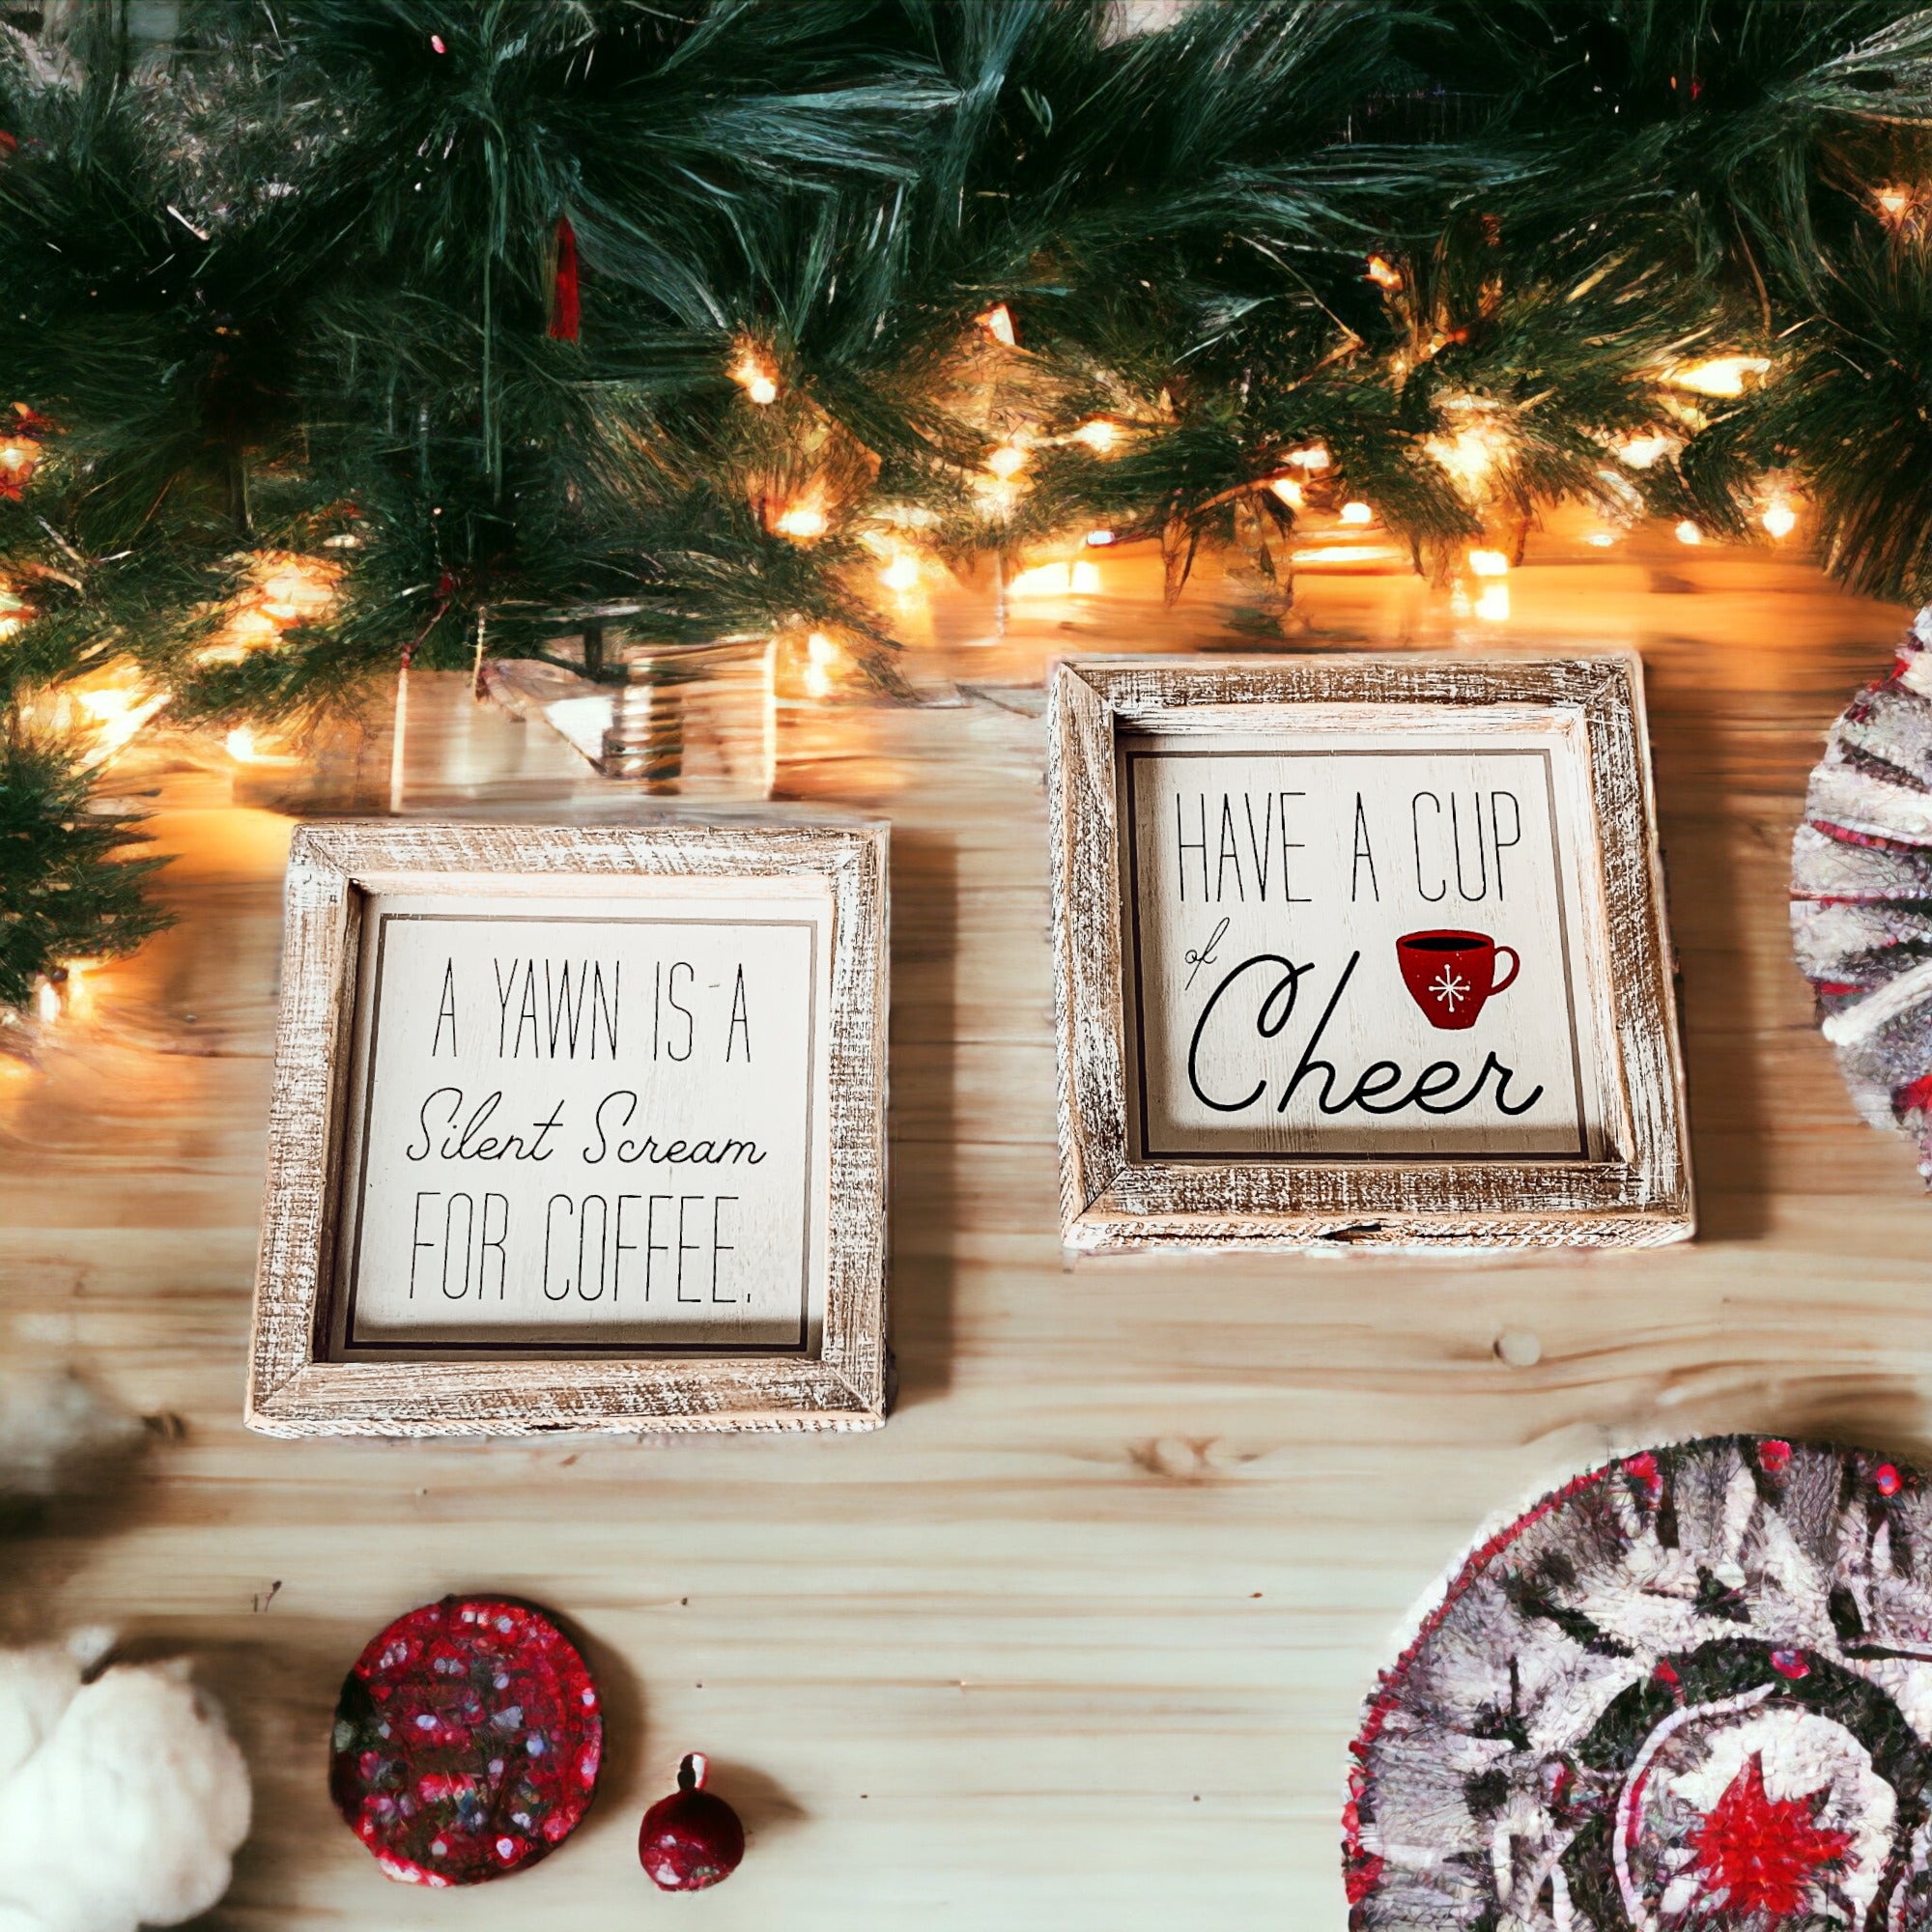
column 1450, row 975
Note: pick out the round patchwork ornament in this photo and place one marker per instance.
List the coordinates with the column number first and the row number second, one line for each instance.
column 1690, row 1692
column 1862, row 893
column 466, row 1741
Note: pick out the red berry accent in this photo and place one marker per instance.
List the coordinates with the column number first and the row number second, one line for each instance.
column 1790, row 1664
column 466, row 1744
column 692, row 1838
column 1773, row 1456
column 1886, row 1480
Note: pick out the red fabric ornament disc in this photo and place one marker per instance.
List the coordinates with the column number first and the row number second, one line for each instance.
column 1689, row 1692
column 466, row 1741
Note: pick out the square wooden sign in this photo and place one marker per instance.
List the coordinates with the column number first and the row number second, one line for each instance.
column 1362, row 950
column 577, row 1128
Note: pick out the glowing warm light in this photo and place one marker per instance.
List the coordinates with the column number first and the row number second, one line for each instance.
column 1688, row 532
column 346, row 540
column 901, row 574
column 1385, row 273
column 292, row 592
column 998, row 323
column 821, row 655
column 1488, row 563
column 758, row 381
column 12, row 613
column 1469, row 455
column 802, row 523
column 1894, row 203
column 1314, row 459
column 1600, row 539
column 46, row 1002
column 17, row 456
column 1006, row 461
column 1355, row 556
column 246, row 749
column 251, row 628
column 1288, row 490
column 118, row 712
column 1358, row 512
column 1720, row 376
column 1057, row 580
column 1494, row 604
column 1099, row 539
column 1100, row 436
column 1779, row 519
column 1641, row 451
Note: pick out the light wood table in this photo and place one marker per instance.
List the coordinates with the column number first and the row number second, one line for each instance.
column 1078, row 1639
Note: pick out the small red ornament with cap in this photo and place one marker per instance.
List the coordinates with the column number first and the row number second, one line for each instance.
column 692, row 1838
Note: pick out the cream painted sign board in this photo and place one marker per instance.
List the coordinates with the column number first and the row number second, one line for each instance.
column 589, row 1124
column 1354, row 947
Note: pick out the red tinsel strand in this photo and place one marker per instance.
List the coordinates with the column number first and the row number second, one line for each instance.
column 566, row 308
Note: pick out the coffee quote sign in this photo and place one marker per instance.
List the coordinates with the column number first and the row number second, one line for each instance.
column 1351, row 951
column 577, row 1128
column 1364, row 949
column 588, row 1124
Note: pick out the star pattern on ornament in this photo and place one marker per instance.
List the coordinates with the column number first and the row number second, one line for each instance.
column 1449, row 986
column 1757, row 1856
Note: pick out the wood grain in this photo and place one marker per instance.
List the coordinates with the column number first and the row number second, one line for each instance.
column 1078, row 1640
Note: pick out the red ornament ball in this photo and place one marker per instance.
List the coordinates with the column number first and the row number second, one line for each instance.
column 466, row 1741
column 692, row 1838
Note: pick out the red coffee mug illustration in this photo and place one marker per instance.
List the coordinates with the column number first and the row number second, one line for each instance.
column 1450, row 973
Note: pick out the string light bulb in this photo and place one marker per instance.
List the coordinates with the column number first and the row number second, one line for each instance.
column 1358, row 512
column 1896, row 204
column 1639, row 452
column 1779, row 519
column 1006, row 461
column 1688, row 532
column 1385, row 273
column 1100, row 436
column 802, row 522
column 1288, row 490
column 821, row 655
column 1314, row 458
column 1099, row 539
column 1488, row 563
column 758, row 381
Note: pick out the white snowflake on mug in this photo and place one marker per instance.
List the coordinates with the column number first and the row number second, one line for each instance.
column 1449, row 986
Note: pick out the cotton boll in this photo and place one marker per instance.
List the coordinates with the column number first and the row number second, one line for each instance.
column 128, row 1812
column 37, row 1686
column 57, row 1434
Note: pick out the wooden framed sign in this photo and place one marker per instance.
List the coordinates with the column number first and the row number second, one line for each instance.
column 1364, row 949
column 577, row 1128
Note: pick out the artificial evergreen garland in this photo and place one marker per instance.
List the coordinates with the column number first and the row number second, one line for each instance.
column 493, row 322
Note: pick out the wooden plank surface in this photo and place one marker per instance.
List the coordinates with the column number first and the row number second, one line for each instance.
column 1078, row 1639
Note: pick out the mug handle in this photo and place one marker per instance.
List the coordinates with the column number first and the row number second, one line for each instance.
column 1516, row 967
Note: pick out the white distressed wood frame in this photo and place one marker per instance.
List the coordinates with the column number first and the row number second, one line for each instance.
column 1110, row 1201
column 333, row 869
